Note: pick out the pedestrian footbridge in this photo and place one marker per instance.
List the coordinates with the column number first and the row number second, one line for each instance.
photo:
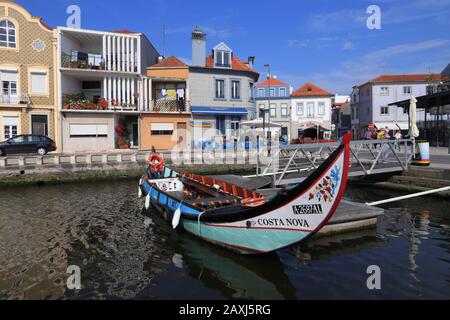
column 292, row 164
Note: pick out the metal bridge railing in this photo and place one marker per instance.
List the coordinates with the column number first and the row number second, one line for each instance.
column 291, row 164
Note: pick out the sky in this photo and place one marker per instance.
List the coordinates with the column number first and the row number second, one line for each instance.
column 322, row 41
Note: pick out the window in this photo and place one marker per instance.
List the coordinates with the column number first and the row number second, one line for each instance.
column 310, row 110
column 384, row 110
column 7, row 34
column 88, row 130
column 284, row 110
column 9, row 92
column 251, row 89
column 38, row 82
column 235, row 126
column 235, row 90
column 321, row 109
column 272, row 92
column 220, row 89
column 282, row 92
column 300, row 109
column 261, row 108
column 10, row 125
column 261, row 92
column 162, row 129
column 407, row 90
column 384, row 91
column 273, row 110
column 223, row 59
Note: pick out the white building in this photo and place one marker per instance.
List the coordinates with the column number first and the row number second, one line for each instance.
column 376, row 95
column 311, row 106
column 102, row 86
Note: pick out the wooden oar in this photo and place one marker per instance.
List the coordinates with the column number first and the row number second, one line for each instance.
column 414, row 195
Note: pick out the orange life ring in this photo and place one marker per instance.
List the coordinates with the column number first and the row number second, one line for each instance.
column 156, row 162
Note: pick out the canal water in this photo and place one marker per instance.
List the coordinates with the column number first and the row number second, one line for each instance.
column 124, row 253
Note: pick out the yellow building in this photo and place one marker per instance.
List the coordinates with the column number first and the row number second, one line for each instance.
column 28, row 51
column 167, row 122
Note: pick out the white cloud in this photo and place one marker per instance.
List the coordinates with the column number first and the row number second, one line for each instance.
column 337, row 20
column 359, row 70
column 405, row 49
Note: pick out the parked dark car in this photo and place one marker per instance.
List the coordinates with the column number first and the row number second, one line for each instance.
column 27, row 144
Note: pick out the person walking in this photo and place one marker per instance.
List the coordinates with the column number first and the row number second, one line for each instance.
column 387, row 136
column 398, row 137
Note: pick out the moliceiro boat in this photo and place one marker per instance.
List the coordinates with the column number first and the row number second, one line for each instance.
column 243, row 220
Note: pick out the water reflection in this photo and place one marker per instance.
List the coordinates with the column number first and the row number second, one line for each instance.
column 125, row 253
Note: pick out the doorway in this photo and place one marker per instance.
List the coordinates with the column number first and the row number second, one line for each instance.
column 135, row 135
column 39, row 125
column 182, row 134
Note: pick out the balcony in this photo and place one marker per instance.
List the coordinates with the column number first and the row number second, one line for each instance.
column 14, row 99
column 91, row 61
column 80, row 102
column 169, row 106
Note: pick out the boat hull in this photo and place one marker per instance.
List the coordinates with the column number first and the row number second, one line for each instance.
column 283, row 220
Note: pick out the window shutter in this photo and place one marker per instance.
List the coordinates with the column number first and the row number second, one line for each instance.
column 38, row 82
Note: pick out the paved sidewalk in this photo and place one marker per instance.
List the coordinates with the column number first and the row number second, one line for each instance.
column 440, row 159
column 439, row 151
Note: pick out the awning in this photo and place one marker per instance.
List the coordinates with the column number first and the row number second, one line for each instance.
column 392, row 125
column 219, row 111
column 259, row 123
column 162, row 127
column 313, row 124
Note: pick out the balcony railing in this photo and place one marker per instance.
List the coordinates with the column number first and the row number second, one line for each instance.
column 89, row 61
column 169, row 106
column 79, row 102
column 9, row 99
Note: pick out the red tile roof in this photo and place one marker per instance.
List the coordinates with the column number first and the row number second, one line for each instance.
column 310, row 89
column 170, row 62
column 389, row 78
column 273, row 82
column 124, row 31
column 341, row 105
column 236, row 64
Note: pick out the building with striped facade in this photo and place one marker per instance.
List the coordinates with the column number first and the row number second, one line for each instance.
column 103, row 88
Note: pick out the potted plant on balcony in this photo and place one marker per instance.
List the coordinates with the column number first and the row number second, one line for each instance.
column 123, row 142
column 102, row 104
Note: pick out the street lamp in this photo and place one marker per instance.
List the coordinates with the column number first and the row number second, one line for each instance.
column 269, row 101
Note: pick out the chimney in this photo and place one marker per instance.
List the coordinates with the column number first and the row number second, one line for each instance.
column 160, row 59
column 198, row 47
column 251, row 61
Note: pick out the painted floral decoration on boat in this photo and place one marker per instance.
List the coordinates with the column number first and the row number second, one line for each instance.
column 326, row 189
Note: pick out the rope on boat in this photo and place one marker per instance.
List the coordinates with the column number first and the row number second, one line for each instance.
column 414, row 195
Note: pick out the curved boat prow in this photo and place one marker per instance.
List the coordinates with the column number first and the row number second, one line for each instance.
column 287, row 218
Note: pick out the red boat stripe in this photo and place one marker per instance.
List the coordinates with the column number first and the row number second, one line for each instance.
column 257, row 228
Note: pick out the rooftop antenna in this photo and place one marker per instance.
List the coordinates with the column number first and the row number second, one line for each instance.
column 164, row 40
